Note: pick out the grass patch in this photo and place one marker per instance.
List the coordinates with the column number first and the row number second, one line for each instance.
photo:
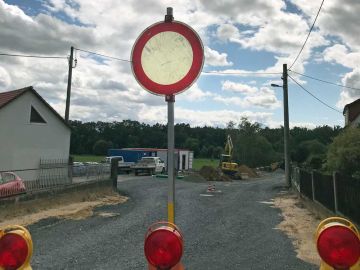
column 88, row 158
column 199, row 162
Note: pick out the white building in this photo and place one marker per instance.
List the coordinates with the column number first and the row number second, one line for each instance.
column 184, row 158
column 30, row 130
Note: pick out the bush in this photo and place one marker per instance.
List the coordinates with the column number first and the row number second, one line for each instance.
column 344, row 153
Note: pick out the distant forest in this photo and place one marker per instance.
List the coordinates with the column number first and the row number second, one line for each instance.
column 254, row 144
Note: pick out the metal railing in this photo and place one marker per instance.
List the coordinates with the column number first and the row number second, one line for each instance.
column 50, row 176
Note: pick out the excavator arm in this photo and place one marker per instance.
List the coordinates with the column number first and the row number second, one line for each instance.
column 229, row 146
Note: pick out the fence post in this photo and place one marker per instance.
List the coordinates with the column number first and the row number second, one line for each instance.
column 70, row 168
column 298, row 177
column 114, row 172
column 335, row 177
column 312, row 185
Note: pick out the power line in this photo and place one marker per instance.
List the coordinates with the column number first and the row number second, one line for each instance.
column 320, row 80
column 311, row 28
column 33, row 56
column 314, row 96
column 103, row 55
column 241, row 73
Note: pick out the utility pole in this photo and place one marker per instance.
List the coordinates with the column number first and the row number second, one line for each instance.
column 286, row 126
column 68, row 93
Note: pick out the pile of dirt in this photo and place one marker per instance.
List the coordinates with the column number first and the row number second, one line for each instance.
column 72, row 205
column 250, row 172
column 213, row 174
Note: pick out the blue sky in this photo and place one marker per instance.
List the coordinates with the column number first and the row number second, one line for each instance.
column 238, row 36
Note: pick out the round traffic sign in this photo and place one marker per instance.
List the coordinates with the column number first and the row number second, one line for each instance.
column 167, row 58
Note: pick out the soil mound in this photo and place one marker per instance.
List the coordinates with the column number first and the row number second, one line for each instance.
column 249, row 171
column 213, row 174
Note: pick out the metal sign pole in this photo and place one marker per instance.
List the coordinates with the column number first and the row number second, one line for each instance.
column 170, row 99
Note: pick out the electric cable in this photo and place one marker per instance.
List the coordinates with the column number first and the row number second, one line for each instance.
column 311, row 28
column 103, row 55
column 320, row 80
column 241, row 73
column 314, row 95
column 33, row 56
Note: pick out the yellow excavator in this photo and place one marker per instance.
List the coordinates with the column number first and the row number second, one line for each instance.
column 227, row 165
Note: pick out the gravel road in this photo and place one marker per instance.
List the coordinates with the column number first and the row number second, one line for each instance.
column 233, row 229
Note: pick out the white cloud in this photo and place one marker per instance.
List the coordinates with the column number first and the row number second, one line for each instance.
column 349, row 95
column 42, row 34
column 5, row 79
column 251, row 96
column 255, row 12
column 200, row 118
column 342, row 55
column 214, row 58
column 108, row 91
column 194, row 94
column 227, row 31
column 238, row 87
column 337, row 18
column 218, row 118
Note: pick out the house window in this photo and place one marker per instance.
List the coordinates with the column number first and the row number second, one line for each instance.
column 35, row 116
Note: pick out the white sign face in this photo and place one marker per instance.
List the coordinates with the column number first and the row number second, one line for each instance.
column 167, row 57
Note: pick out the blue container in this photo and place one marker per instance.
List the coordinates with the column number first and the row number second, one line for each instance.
column 131, row 155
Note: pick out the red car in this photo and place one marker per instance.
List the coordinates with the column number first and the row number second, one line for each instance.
column 10, row 184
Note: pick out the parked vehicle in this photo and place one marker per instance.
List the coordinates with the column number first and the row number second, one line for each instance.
column 11, row 184
column 122, row 165
column 149, row 165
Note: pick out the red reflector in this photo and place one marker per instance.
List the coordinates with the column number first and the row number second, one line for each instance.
column 13, row 251
column 163, row 247
column 339, row 247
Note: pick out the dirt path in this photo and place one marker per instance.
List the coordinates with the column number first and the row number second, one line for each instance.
column 300, row 225
column 74, row 205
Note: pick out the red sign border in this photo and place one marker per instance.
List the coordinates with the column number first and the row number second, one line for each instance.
column 194, row 71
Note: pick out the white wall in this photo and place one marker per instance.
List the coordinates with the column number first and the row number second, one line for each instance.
column 22, row 143
column 188, row 158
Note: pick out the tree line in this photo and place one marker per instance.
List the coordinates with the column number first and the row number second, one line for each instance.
column 254, row 143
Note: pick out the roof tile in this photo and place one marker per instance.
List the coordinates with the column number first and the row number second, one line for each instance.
column 6, row 97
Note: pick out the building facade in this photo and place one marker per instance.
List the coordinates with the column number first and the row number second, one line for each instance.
column 30, row 131
column 352, row 113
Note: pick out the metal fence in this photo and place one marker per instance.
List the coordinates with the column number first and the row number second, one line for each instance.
column 50, row 175
column 338, row 193
column 324, row 190
column 348, row 196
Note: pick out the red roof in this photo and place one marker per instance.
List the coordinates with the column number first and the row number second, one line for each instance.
column 6, row 97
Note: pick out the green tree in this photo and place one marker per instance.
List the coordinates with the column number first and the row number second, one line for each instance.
column 250, row 147
column 309, row 148
column 193, row 145
column 343, row 154
column 217, row 152
column 101, row 146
